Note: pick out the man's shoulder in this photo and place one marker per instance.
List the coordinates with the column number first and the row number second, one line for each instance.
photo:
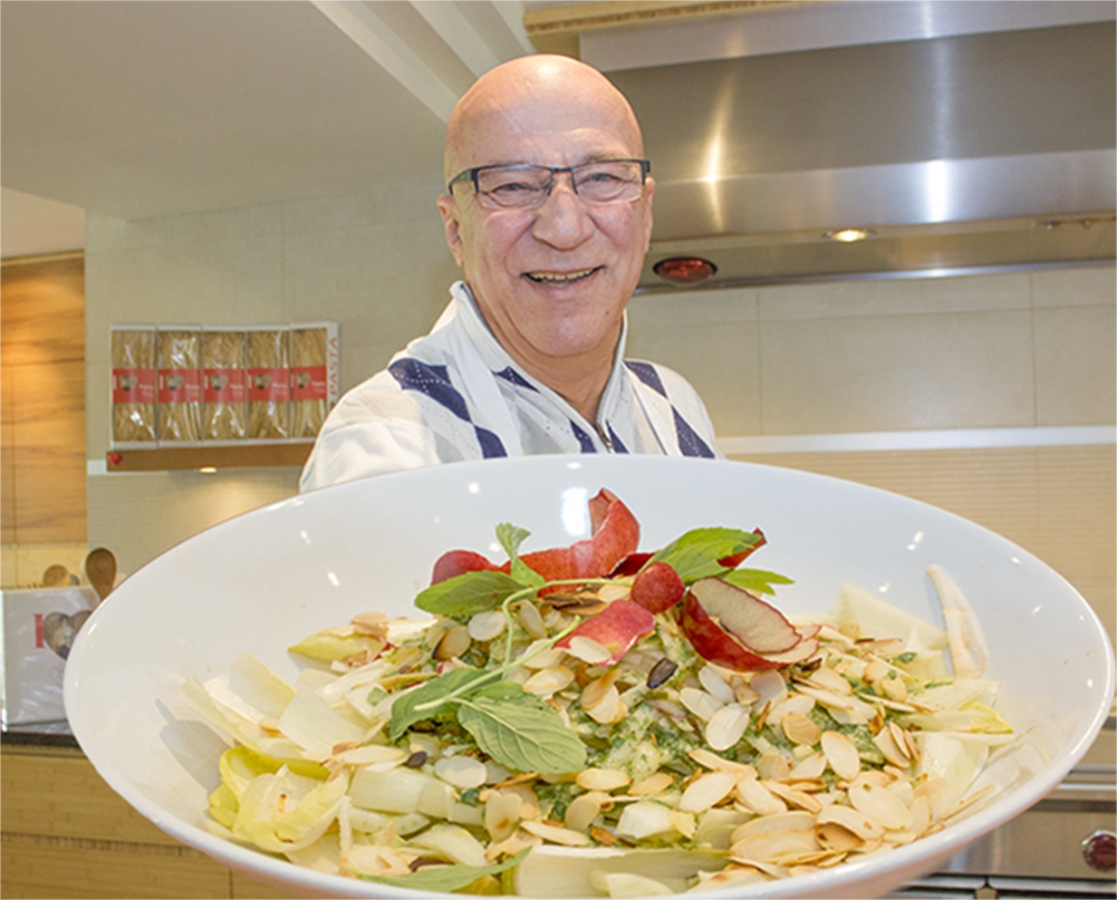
column 660, row 378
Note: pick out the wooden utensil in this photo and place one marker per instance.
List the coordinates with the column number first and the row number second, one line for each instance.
column 100, row 569
column 56, row 576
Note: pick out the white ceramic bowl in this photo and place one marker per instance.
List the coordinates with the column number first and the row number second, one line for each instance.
column 261, row 581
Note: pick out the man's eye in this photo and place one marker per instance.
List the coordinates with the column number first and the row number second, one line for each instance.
column 600, row 177
column 512, row 187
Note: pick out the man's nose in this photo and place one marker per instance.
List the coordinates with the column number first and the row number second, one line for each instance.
column 563, row 219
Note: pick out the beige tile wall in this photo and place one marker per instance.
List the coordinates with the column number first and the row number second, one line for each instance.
column 1004, row 350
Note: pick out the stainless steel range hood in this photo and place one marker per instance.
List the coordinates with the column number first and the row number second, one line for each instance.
column 959, row 153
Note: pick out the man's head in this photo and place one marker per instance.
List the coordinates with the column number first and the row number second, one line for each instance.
column 552, row 281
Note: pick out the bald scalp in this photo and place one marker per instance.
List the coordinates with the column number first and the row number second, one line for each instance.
column 533, row 94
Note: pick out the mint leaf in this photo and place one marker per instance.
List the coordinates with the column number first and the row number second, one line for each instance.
column 447, row 879
column 467, row 594
column 756, row 580
column 696, row 554
column 510, row 537
column 436, row 691
column 522, row 732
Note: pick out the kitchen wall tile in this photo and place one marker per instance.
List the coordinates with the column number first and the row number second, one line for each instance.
column 721, row 363
column 713, row 307
column 1092, row 286
column 1078, row 532
column 140, row 515
column 897, row 372
column 1076, row 365
column 894, row 297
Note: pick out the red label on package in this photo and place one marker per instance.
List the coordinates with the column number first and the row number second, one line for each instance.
column 308, row 383
column 180, row 386
column 133, row 385
column 39, row 642
column 268, row 385
column 225, row 386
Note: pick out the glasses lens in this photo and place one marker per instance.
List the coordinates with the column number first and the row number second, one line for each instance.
column 604, row 182
column 513, row 186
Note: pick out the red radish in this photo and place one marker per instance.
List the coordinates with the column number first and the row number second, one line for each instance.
column 617, row 628
column 658, row 588
column 458, row 562
column 759, row 626
column 630, row 565
column 731, row 562
column 718, row 646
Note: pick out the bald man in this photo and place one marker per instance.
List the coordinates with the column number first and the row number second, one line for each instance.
column 548, row 212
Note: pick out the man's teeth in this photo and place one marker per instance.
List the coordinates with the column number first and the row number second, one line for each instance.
column 559, row 277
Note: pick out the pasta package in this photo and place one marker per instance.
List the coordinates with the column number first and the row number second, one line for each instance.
column 268, row 383
column 132, row 354
column 224, row 384
column 178, row 356
column 314, row 380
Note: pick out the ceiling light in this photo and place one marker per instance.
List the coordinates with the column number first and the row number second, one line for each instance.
column 684, row 270
column 849, row 235
column 207, row 470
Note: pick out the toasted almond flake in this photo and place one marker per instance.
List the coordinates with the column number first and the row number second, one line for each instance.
column 770, row 687
column 773, row 847
column 582, row 810
column 588, row 650
column 881, row 804
column 875, row 671
column 886, row 743
column 371, row 754
column 894, row 689
column 652, row 785
column 773, row 766
column 864, row 826
column 785, row 821
column 922, row 814
column 727, row 726
column 552, row 656
column 841, row 754
column 596, row 691
column 733, row 874
column 511, row 846
column 794, row 797
column 809, row 769
column 828, row 680
column 529, row 803
column 756, row 798
column 531, row 619
column 371, row 623
column 706, row 791
column 715, row 684
column 716, row 763
column 549, row 681
column 873, row 776
column 613, row 591
column 454, row 643
column 485, row 626
column 610, row 709
column 799, row 729
column 684, row 823
column 835, row 836
column 502, row 812
column 603, row 779
column 699, row 702
column 461, row 771
column 556, row 834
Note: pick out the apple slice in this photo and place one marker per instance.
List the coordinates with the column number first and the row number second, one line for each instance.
column 458, row 562
column 756, row 624
column 715, row 644
column 617, row 628
column 657, row 588
column 731, row 562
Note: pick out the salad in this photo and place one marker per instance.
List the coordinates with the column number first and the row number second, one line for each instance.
column 594, row 720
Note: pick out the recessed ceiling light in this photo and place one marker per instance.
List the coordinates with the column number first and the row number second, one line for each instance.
column 684, row 270
column 849, row 235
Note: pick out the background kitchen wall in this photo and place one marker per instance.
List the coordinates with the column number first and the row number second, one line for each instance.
column 792, row 374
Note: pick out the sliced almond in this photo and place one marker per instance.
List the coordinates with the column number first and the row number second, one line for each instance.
column 552, row 656
column 834, row 836
column 699, row 702
column 841, row 754
column 454, row 643
column 463, row 772
column 706, row 791
column 610, row 709
column 800, row 730
column 652, row 785
column 808, row 769
column 531, row 619
column 485, row 626
column 886, row 743
column 865, row 827
column 684, row 822
column 774, row 847
column 894, row 689
column 716, row 685
column 556, row 834
column 603, row 779
column 757, row 799
column 596, row 691
column 502, row 812
column 549, row 681
column 826, row 678
column 787, row 821
column 726, row 727
column 875, row 671
column 716, row 763
column 880, row 803
column 773, row 766
column 796, row 798
column 582, row 810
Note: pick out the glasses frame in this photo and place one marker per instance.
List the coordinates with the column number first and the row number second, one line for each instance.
column 470, row 175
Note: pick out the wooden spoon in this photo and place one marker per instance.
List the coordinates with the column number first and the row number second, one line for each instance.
column 100, row 569
column 56, row 576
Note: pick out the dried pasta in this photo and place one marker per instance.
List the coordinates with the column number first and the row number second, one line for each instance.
column 225, row 397
column 178, row 354
column 133, row 385
column 268, row 390
column 309, row 383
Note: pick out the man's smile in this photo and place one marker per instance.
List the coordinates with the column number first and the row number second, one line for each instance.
column 561, row 278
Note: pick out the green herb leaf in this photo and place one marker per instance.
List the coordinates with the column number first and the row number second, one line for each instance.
column 468, row 594
column 446, row 879
column 405, row 711
column 521, row 731
column 695, row 554
column 510, row 537
column 756, row 580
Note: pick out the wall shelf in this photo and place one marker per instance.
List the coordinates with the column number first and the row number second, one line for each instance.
column 293, row 453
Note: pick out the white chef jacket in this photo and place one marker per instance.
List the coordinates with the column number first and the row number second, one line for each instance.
column 455, row 394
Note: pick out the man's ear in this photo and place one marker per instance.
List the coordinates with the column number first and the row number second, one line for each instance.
column 649, row 189
column 448, row 207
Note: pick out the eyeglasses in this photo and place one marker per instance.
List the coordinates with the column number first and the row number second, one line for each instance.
column 526, row 186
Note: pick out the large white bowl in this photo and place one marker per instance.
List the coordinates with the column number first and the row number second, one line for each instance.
column 260, row 582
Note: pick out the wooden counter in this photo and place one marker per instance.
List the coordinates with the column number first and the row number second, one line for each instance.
column 65, row 833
